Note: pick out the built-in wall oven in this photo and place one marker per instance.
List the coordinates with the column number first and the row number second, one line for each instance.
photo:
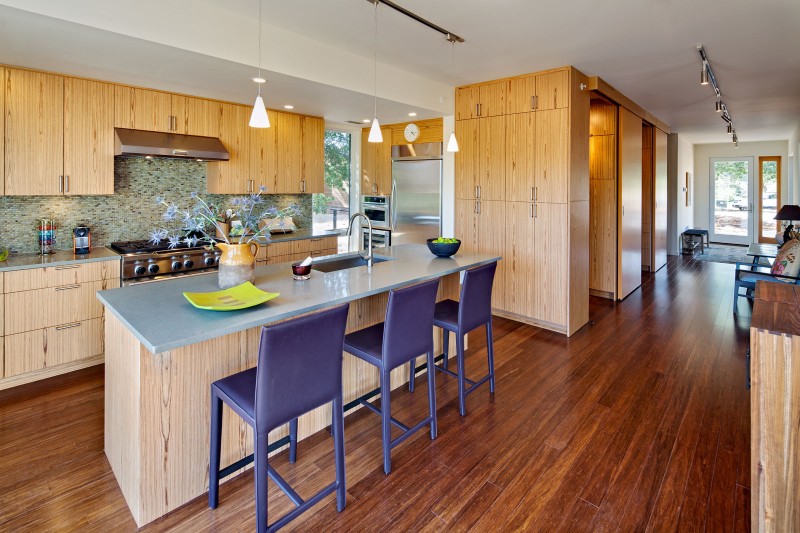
column 380, row 238
column 378, row 210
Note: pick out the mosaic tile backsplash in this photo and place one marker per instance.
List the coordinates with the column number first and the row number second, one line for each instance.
column 130, row 213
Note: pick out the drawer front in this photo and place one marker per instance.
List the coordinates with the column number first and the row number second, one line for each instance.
column 323, row 243
column 320, row 253
column 276, row 249
column 53, row 346
column 54, row 306
column 58, row 276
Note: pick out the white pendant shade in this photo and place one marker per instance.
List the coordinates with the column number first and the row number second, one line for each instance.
column 452, row 143
column 375, row 135
column 259, row 118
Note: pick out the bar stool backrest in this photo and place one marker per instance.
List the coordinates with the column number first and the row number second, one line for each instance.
column 475, row 308
column 299, row 366
column 408, row 329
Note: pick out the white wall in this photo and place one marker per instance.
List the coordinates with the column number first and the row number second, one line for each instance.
column 680, row 160
column 704, row 152
column 794, row 166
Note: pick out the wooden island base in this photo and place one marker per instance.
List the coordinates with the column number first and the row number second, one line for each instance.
column 157, row 407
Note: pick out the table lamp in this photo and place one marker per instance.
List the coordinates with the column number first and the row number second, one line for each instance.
column 790, row 213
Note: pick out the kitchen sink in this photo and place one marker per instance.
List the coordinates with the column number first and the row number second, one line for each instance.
column 348, row 261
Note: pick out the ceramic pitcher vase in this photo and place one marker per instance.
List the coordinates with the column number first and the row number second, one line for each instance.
column 237, row 264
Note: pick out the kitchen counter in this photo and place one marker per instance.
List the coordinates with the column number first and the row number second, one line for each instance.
column 61, row 257
column 298, row 235
column 162, row 355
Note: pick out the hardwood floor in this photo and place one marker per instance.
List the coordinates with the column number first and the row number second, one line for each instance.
column 639, row 422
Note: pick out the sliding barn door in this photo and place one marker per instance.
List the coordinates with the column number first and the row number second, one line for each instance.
column 629, row 271
column 660, row 196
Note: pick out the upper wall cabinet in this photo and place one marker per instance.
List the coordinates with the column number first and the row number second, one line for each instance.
column 196, row 116
column 2, row 131
column 58, row 134
column 235, row 176
column 313, row 155
column 376, row 164
column 144, row 109
column 539, row 92
column 484, row 100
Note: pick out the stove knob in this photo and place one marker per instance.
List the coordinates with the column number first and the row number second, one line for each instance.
column 139, row 270
column 216, row 260
column 152, row 268
column 176, row 265
column 188, row 263
column 209, row 261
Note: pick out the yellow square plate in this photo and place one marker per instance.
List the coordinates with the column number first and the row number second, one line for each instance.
column 239, row 297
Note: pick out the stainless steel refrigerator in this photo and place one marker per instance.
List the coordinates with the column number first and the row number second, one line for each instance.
column 416, row 200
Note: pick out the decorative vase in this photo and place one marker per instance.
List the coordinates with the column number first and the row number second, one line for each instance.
column 237, row 264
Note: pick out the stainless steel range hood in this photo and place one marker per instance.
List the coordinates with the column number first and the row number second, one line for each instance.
column 153, row 143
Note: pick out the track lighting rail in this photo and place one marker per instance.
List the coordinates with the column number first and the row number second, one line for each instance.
column 450, row 36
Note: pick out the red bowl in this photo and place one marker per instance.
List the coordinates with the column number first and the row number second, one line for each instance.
column 300, row 270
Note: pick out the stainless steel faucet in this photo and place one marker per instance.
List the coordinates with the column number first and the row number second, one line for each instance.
column 360, row 241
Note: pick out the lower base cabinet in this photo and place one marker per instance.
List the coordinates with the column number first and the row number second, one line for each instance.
column 54, row 346
column 480, row 228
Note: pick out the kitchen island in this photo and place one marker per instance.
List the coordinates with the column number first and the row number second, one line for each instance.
column 162, row 354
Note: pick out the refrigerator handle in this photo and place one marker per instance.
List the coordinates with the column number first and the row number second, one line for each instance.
column 392, row 205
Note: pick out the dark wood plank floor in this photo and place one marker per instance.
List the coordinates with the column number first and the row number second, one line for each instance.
column 639, row 422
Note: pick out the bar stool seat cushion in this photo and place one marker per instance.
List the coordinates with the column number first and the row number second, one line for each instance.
column 445, row 315
column 366, row 343
column 240, row 388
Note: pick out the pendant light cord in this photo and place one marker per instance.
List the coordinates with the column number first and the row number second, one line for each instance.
column 260, row 2
column 375, row 63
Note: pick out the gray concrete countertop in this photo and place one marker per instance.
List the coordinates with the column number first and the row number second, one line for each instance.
column 162, row 319
column 298, row 235
column 61, row 257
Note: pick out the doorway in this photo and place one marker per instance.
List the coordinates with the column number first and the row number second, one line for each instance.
column 769, row 192
column 731, row 200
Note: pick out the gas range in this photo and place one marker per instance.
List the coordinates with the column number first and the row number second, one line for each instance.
column 143, row 261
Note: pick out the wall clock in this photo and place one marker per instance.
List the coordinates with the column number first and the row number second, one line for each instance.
column 411, row 132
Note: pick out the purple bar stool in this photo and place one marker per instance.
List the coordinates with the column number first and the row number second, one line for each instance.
column 404, row 336
column 297, row 372
column 474, row 310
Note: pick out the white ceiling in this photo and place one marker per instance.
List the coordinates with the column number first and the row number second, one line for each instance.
column 645, row 48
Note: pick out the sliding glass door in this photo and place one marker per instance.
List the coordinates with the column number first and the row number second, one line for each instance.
column 731, row 200
column 769, row 192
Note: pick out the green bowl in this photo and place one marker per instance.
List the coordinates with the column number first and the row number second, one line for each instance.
column 3, row 254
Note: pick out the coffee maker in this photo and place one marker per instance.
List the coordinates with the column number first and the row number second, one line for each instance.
column 82, row 240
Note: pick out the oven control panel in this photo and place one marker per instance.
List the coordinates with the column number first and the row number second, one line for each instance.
column 136, row 266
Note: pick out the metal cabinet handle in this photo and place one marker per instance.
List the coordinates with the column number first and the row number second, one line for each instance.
column 67, row 287
column 479, row 191
column 61, row 184
column 530, row 208
column 67, row 267
column 536, row 194
column 531, row 194
column 479, row 208
column 68, row 326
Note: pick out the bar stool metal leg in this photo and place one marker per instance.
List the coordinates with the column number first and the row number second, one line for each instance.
column 293, row 440
column 216, row 437
column 490, row 351
column 261, row 469
column 412, row 371
column 432, row 394
column 445, row 347
column 338, row 449
column 462, row 395
column 386, row 420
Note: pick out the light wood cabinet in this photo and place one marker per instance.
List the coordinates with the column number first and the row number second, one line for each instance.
column 466, row 159
column 376, row 164
column 479, row 229
column 484, row 100
column 34, row 133
column 2, row 140
column 481, row 159
column 289, row 142
column 518, row 258
column 552, row 156
column 60, row 275
column 263, row 150
column 539, row 92
column 629, row 216
column 660, row 193
column 550, row 263
column 196, row 116
column 520, row 157
column 143, row 109
column 233, row 176
column 313, row 174
column 53, row 346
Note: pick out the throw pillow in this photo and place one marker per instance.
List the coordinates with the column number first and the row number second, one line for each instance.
column 787, row 263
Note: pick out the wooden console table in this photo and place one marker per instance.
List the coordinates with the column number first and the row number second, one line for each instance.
column 775, row 408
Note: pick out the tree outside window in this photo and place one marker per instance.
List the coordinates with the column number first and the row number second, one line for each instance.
column 331, row 209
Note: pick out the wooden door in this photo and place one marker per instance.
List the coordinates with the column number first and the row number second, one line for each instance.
column 34, row 133
column 199, row 116
column 289, row 143
column 313, row 155
column 522, row 95
column 88, row 137
column 660, row 195
column 518, row 259
column 492, row 99
column 551, row 177
column 466, row 229
column 629, row 216
column 520, row 155
column 467, row 99
column 263, row 156
column 550, row 263
column 552, row 90
column 491, row 239
column 492, row 158
column 233, row 176
column 152, row 110
column 466, row 159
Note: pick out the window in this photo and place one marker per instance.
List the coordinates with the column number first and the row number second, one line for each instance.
column 331, row 209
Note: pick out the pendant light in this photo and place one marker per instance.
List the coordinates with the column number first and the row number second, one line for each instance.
column 452, row 143
column 704, row 74
column 719, row 106
column 375, row 134
column 259, row 117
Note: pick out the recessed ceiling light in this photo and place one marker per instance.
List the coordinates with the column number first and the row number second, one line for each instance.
column 366, row 121
column 412, row 114
column 288, row 106
column 148, row 157
column 259, row 80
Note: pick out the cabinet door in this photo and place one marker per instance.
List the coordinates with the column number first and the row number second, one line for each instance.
column 88, row 137
column 46, row 348
column 263, row 153
column 518, row 282
column 551, row 178
column 629, row 254
column 289, row 143
column 34, row 134
column 369, row 179
column 152, row 110
column 2, row 138
column 466, row 159
column 198, row 116
column 550, row 263
column 233, row 176
column 520, row 154
column 552, row 90
column 467, row 99
column 522, row 95
column 491, row 240
column 493, row 98
column 383, row 160
column 466, row 229
column 492, row 158
column 313, row 155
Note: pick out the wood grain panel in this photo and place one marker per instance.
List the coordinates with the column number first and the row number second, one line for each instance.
column 430, row 131
column 2, row 132
column 578, row 176
column 492, row 158
column 55, row 276
column 552, row 90
column 603, row 236
column 55, row 306
column 603, row 118
column 578, row 261
column 518, row 259
column 376, row 163
column 661, row 201
column 152, row 110
column 520, row 156
column 49, row 372
column 493, row 97
column 231, row 177
column 466, row 159
column 551, row 299
column 466, row 229
column 53, row 346
column 313, row 130
column 491, row 240
column 88, row 137
column 629, row 228
column 200, row 118
column 522, row 94
column 603, row 157
column 467, row 99
column 124, row 110
column 647, row 195
column 315, row 245
column 552, row 155
column 34, row 133
column 289, row 142
column 263, row 148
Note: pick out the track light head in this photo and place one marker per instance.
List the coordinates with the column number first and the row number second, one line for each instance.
column 704, row 74
column 719, row 106
column 730, row 129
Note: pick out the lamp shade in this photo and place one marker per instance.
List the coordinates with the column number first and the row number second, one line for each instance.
column 452, row 144
column 375, row 135
column 259, row 117
column 788, row 212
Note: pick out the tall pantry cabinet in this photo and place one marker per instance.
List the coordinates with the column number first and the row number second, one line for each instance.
column 522, row 192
